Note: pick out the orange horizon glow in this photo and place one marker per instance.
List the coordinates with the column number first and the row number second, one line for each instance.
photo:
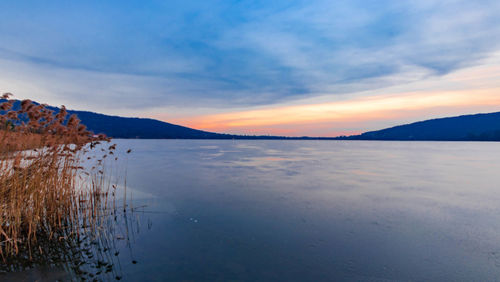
column 342, row 117
column 468, row 91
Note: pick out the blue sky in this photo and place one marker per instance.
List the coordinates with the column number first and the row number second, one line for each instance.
column 192, row 57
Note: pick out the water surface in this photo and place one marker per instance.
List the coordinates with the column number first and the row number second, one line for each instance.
column 313, row 210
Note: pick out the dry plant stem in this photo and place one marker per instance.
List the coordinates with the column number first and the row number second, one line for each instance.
column 40, row 164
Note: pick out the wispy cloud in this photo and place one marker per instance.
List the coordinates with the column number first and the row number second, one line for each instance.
column 223, row 54
column 474, row 89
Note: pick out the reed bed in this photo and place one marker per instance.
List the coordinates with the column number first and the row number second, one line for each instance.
column 51, row 207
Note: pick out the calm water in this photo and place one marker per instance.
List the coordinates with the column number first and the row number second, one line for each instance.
column 313, row 211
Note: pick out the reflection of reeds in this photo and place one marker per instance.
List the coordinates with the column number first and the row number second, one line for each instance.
column 51, row 209
column 94, row 254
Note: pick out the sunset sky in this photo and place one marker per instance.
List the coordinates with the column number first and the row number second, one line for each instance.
column 317, row 68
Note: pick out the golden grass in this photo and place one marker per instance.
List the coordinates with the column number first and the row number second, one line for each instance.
column 46, row 197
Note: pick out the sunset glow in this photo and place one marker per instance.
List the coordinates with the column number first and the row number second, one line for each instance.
column 314, row 68
column 476, row 93
column 354, row 112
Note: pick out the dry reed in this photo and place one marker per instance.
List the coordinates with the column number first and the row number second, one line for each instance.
column 48, row 201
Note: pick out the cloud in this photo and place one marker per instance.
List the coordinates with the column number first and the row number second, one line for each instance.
column 234, row 53
column 467, row 91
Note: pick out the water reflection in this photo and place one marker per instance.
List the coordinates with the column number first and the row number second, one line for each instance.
column 94, row 254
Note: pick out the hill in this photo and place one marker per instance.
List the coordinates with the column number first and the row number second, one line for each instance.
column 477, row 127
column 146, row 128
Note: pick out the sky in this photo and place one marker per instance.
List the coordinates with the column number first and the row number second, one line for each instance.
column 317, row 68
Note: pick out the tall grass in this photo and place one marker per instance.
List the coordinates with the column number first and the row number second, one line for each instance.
column 48, row 201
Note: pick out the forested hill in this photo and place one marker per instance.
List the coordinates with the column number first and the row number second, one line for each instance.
column 477, row 127
column 146, row 128
column 124, row 127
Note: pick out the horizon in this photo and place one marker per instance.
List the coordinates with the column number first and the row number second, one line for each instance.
column 300, row 68
column 304, row 136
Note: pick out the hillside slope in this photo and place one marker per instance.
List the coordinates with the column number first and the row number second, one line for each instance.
column 127, row 127
column 124, row 127
column 477, row 127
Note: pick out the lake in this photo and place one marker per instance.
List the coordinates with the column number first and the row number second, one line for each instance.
column 309, row 211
